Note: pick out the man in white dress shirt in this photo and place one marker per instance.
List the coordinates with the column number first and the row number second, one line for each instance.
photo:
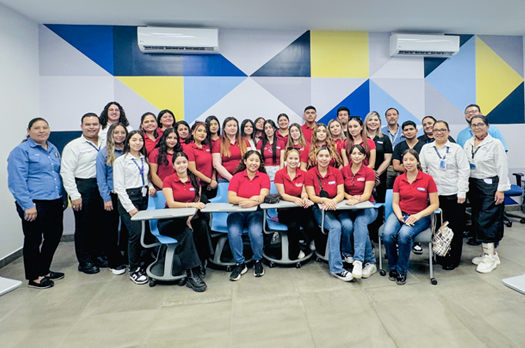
column 78, row 173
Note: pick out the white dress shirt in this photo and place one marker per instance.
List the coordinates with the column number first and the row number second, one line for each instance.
column 487, row 160
column 78, row 161
column 452, row 178
column 126, row 175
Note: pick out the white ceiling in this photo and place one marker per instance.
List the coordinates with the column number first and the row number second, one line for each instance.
column 502, row 17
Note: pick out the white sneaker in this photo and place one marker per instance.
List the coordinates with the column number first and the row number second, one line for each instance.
column 344, row 276
column 348, row 259
column 369, row 269
column 488, row 264
column 477, row 260
column 301, row 255
column 276, row 238
column 357, row 271
column 138, row 277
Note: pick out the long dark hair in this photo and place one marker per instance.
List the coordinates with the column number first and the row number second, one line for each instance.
column 208, row 120
column 196, row 125
column 161, row 113
column 350, row 138
column 265, row 140
column 31, row 123
column 146, row 114
column 243, row 124
column 126, row 142
column 242, row 166
column 184, row 123
column 193, row 178
column 162, row 158
column 104, row 115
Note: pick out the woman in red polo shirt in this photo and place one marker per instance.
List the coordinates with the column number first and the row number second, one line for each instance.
column 200, row 160
column 320, row 138
column 149, row 127
column 229, row 149
column 270, row 148
column 282, row 133
column 182, row 190
column 357, row 135
column 160, row 158
column 296, row 140
column 359, row 181
column 213, row 127
column 325, row 187
column 289, row 182
column 411, row 214
column 248, row 187
column 337, row 134
column 183, row 130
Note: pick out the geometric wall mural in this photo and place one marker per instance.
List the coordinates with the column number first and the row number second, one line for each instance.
column 264, row 73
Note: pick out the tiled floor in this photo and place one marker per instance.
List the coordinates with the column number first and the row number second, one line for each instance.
column 287, row 307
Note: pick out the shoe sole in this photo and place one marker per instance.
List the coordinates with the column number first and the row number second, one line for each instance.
column 342, row 278
column 88, row 272
column 243, row 272
column 117, row 272
column 357, row 275
column 194, row 288
column 400, row 283
column 58, row 278
column 257, row 275
column 487, row 270
column 40, row 287
column 139, row 283
column 498, row 262
column 365, row 276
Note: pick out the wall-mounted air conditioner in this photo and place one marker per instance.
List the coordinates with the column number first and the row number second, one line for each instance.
column 438, row 46
column 178, row 40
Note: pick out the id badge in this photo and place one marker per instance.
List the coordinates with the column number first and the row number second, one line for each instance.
column 472, row 166
column 144, row 191
column 442, row 165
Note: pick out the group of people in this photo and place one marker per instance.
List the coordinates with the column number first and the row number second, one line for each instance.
column 109, row 172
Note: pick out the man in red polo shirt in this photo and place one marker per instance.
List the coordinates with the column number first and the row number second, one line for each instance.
column 310, row 114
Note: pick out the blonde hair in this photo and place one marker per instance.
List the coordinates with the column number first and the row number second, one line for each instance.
column 110, row 143
column 367, row 118
column 302, row 140
column 342, row 135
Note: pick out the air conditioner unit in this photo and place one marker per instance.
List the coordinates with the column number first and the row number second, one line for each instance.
column 178, row 40
column 437, row 46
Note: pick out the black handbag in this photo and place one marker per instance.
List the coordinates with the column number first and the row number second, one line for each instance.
column 272, row 198
column 322, row 193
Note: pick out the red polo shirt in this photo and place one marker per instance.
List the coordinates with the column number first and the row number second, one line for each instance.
column 246, row 188
column 330, row 182
column 231, row 162
column 268, row 152
column 306, row 153
column 202, row 157
column 291, row 187
column 308, row 132
column 414, row 197
column 183, row 192
column 150, row 144
column 283, row 138
column 355, row 184
column 163, row 170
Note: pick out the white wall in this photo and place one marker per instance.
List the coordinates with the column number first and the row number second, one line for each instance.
column 19, row 102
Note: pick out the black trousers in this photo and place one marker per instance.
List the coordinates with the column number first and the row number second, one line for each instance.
column 487, row 217
column 454, row 213
column 116, row 242
column 186, row 249
column 295, row 218
column 89, row 232
column 41, row 236
column 134, row 227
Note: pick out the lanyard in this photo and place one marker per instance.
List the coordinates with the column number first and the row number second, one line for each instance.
column 141, row 169
column 474, row 152
column 93, row 146
column 393, row 140
column 437, row 152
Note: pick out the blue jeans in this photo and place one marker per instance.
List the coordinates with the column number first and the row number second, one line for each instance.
column 337, row 225
column 395, row 230
column 236, row 224
column 359, row 220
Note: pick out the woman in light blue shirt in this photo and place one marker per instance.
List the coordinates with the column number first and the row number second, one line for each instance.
column 33, row 169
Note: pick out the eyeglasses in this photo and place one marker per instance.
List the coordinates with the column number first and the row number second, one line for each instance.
column 477, row 125
column 441, row 130
column 470, row 112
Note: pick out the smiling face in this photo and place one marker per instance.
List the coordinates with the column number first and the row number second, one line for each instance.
column 342, row 116
column 248, row 128
column 428, row 124
column 335, row 129
column 171, row 140
column 392, row 117
column 214, row 127
column 119, row 135
column 295, row 133
column 39, row 132
column 181, row 165
column 90, row 127
column 356, row 156
column 136, row 142
column 283, row 123
column 410, row 162
column 200, row 133
column 409, row 132
column 440, row 132
column 149, row 124
column 322, row 133
column 354, row 128
column 373, row 123
column 252, row 163
column 167, row 120
column 292, row 159
column 269, row 130
column 183, row 131
column 470, row 112
column 478, row 127
column 260, row 124
column 323, row 158
column 113, row 113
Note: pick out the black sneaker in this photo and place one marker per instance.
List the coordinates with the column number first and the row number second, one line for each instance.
column 88, row 268
column 101, row 261
column 417, row 249
column 392, row 275
column 138, row 277
column 401, row 279
column 238, row 271
column 258, row 269
column 194, row 281
column 45, row 283
column 55, row 275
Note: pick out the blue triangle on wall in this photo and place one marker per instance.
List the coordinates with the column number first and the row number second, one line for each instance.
column 510, row 110
column 293, row 61
column 94, row 41
column 358, row 102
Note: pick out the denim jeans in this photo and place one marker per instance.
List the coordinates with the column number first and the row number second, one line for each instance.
column 395, row 230
column 359, row 220
column 337, row 225
column 236, row 224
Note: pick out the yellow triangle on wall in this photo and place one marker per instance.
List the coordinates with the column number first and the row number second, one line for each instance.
column 163, row 92
column 495, row 79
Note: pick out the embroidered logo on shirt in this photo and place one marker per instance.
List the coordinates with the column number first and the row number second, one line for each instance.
column 422, row 189
column 298, row 184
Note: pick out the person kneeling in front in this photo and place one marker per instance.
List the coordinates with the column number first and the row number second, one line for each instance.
column 248, row 187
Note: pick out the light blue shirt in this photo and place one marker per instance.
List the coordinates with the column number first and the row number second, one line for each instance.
column 395, row 138
column 34, row 173
column 105, row 174
column 466, row 134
